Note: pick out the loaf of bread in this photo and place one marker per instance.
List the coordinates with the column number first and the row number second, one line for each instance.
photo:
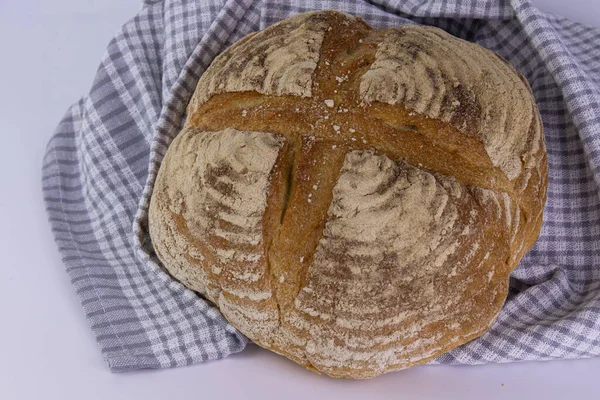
column 350, row 198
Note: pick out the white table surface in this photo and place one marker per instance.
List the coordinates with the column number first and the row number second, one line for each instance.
column 49, row 53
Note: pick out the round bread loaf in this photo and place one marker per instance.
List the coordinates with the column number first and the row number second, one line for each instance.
column 353, row 199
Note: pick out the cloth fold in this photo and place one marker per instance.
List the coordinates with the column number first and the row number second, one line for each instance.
column 101, row 163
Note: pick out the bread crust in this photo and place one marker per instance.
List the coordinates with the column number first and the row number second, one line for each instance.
column 353, row 199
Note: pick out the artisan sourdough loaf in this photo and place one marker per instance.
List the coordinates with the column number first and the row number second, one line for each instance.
column 353, row 199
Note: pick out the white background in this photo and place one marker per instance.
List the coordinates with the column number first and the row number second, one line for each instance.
column 49, row 51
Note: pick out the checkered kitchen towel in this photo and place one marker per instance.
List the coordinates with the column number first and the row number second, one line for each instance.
column 101, row 163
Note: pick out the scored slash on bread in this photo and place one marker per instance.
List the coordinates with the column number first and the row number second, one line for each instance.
column 353, row 199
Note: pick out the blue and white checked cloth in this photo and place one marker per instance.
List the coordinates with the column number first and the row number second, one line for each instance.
column 101, row 163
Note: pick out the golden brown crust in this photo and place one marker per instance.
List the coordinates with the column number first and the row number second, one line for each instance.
column 354, row 199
